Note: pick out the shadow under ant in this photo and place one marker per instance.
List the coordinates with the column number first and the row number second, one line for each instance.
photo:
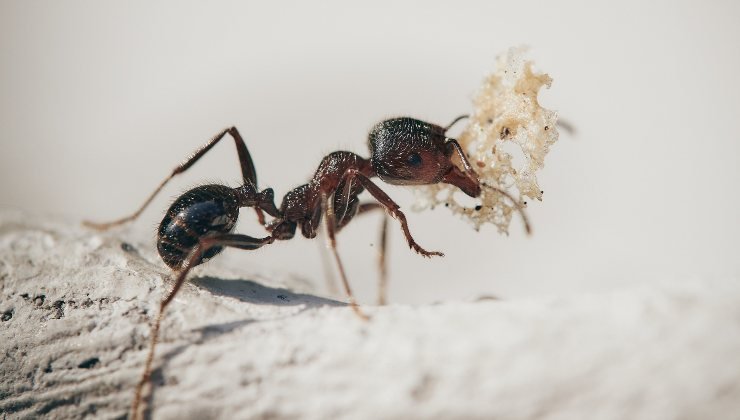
column 249, row 291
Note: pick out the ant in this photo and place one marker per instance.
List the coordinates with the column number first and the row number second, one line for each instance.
column 199, row 224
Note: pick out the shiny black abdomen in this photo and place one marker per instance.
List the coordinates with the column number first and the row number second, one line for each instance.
column 200, row 212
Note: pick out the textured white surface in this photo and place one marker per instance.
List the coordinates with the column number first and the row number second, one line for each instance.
column 75, row 307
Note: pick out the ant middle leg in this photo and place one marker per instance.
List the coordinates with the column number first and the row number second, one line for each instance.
column 327, row 208
column 249, row 175
column 346, row 207
column 195, row 255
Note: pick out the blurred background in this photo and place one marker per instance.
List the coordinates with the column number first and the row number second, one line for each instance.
column 100, row 100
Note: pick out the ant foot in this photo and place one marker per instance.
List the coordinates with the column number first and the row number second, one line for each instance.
column 105, row 226
column 424, row 253
column 96, row 226
column 359, row 313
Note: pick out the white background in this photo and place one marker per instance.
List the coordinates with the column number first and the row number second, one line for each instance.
column 99, row 101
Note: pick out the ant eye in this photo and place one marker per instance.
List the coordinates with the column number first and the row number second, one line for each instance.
column 414, row 160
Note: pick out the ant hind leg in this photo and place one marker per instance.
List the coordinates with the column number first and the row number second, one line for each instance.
column 229, row 240
column 249, row 174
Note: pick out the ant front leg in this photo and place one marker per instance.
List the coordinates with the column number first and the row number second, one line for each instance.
column 249, row 175
column 392, row 208
column 222, row 240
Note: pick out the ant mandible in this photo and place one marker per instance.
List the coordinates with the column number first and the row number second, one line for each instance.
column 199, row 224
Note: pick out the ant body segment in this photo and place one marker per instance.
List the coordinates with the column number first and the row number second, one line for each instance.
column 200, row 223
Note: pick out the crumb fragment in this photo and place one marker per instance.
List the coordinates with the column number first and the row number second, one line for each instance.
column 507, row 136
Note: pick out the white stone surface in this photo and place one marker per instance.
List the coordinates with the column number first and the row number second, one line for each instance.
column 76, row 306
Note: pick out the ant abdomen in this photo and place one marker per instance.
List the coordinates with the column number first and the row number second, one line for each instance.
column 200, row 212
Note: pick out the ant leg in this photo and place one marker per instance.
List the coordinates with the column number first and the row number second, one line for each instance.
column 230, row 240
column 346, row 206
column 466, row 164
column 382, row 265
column 327, row 207
column 393, row 209
column 455, row 121
column 519, row 208
column 331, row 281
column 249, row 175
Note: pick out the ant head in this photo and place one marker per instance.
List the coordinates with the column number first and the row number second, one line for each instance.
column 406, row 151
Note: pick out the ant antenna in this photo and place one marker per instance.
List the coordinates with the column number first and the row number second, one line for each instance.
column 520, row 209
column 455, row 121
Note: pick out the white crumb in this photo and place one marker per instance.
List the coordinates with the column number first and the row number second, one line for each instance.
column 506, row 139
